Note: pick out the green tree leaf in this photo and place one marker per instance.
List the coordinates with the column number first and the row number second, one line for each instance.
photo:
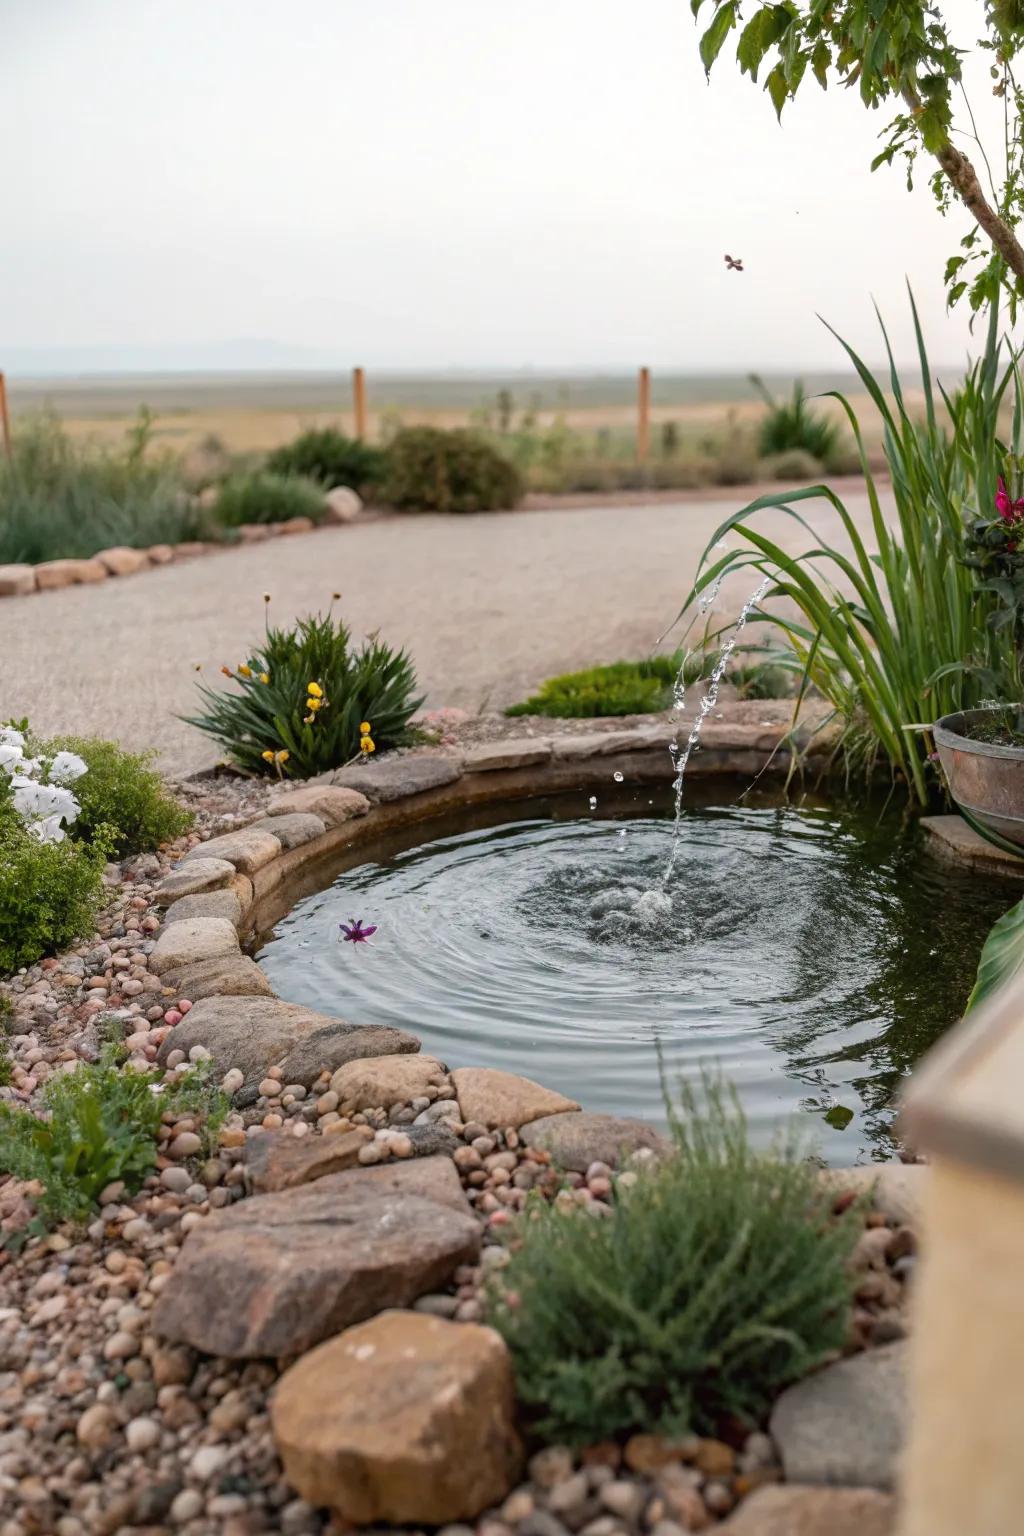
column 1001, row 958
column 716, row 34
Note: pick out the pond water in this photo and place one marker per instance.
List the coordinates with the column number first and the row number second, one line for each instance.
column 810, row 952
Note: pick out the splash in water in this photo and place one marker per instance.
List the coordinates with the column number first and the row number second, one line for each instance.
column 681, row 754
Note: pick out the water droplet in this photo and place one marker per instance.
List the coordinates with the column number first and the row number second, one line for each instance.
column 617, row 776
column 593, row 802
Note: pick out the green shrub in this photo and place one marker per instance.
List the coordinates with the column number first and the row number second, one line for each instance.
column 49, row 893
column 60, row 499
column 100, row 1123
column 373, row 684
column 6, row 1066
column 794, row 464
column 764, row 680
column 793, row 424
column 122, row 794
column 330, row 458
column 430, row 470
column 719, row 1277
column 260, row 497
column 622, row 688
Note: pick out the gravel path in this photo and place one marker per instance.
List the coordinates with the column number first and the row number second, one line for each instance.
column 488, row 606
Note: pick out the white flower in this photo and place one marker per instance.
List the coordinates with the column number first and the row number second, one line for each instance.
column 9, row 737
column 49, row 830
column 11, row 757
column 66, row 768
column 42, row 802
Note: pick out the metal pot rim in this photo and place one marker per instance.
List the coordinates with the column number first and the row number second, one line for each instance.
column 948, row 732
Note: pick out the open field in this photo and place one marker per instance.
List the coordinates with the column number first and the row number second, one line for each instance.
column 252, row 413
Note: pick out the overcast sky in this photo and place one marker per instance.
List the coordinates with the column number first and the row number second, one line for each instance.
column 428, row 183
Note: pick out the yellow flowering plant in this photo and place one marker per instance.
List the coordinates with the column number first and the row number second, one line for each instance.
column 307, row 696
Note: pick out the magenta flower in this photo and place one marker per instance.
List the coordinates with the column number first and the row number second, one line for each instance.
column 1009, row 511
column 356, row 932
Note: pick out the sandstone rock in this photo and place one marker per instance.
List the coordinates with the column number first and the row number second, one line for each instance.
column 386, row 1080
column 789, row 1510
column 895, row 1189
column 198, row 874
column 951, row 839
column 160, row 554
column 576, row 1141
column 297, row 829
column 122, row 561
column 54, row 574
column 296, row 525
column 513, row 752
column 598, row 744
column 190, row 941
column 255, row 533
column 254, row 1033
column 395, row 777
column 407, row 1419
column 497, row 1099
column 342, row 505
column 16, row 580
column 333, row 805
column 247, row 850
column 222, row 904
column 330, row 1048
column 277, row 1160
column 428, row 1178
column 845, row 1424
column 226, row 976
column 276, row 1274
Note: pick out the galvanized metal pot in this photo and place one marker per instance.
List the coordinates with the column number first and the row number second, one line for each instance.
column 985, row 779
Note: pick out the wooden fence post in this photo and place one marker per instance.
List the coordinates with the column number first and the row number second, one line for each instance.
column 643, row 415
column 5, row 420
column 359, row 400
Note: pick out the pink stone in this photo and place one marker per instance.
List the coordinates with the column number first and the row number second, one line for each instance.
column 183, row 1005
column 172, row 1016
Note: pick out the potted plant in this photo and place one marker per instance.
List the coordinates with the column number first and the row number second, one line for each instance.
column 982, row 750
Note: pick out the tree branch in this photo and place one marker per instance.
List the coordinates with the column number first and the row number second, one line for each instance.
column 963, row 178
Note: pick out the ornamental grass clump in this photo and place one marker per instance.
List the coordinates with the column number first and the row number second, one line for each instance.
column 893, row 628
column 330, row 458
column 430, row 469
column 720, row 1276
column 261, row 497
column 307, row 700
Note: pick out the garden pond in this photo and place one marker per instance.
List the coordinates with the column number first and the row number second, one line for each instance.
column 811, row 951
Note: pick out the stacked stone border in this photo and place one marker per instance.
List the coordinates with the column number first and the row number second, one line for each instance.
column 320, row 1268
column 340, row 506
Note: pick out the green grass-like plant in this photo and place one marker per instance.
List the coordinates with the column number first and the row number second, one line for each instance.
column 123, row 794
column 99, row 1123
column 621, row 688
column 257, row 496
column 792, row 425
column 49, row 892
column 330, row 458
column 720, row 1277
column 895, row 632
column 433, row 470
column 64, row 500
column 373, row 684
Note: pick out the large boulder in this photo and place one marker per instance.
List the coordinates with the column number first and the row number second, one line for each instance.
column 248, row 850
column 54, row 574
column 227, row 976
column 510, row 752
column 192, row 941
column 278, row 1160
column 122, row 560
column 330, row 802
column 498, row 1099
column 189, row 879
column 224, row 903
column 576, row 1141
column 407, row 1419
column 398, row 775
column 17, row 580
column 254, row 1033
column 845, row 1424
column 789, row 1510
column 342, row 505
column 386, row 1080
column 278, row 1273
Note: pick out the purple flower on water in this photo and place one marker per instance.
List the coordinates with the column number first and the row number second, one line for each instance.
column 356, row 931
